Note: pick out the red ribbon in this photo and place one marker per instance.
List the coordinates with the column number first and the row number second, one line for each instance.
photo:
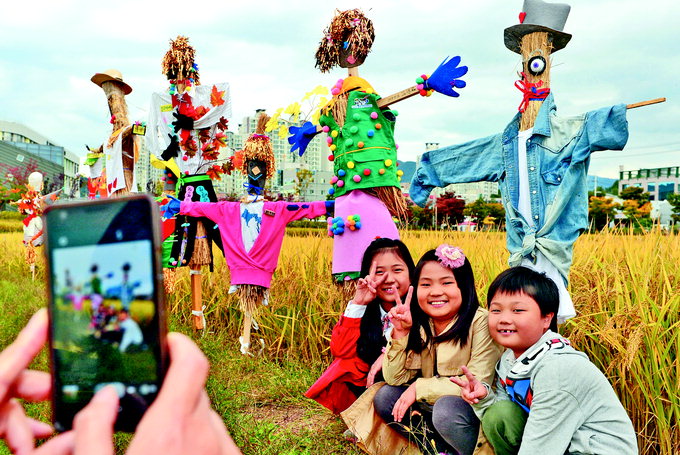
column 531, row 92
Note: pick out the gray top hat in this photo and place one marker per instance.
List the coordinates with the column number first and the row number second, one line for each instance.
column 539, row 16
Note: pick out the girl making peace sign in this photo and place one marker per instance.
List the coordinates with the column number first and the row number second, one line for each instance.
column 434, row 334
column 358, row 338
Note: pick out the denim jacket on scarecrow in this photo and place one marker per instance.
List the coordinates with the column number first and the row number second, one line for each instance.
column 558, row 156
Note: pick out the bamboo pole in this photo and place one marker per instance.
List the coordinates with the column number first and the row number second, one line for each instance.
column 196, row 297
column 646, row 103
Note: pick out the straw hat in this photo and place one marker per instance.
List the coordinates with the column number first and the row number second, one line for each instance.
column 111, row 75
column 539, row 16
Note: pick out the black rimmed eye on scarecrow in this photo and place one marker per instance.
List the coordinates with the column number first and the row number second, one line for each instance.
column 536, row 65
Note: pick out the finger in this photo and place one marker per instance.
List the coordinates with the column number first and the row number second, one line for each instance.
column 369, row 380
column 33, row 385
column 40, row 430
column 17, row 356
column 379, row 280
column 373, row 269
column 93, row 425
column 185, row 379
column 470, row 377
column 409, row 294
column 459, row 382
column 397, row 297
column 62, row 444
column 19, row 436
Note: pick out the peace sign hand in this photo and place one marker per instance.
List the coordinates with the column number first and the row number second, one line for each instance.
column 367, row 287
column 400, row 315
column 471, row 390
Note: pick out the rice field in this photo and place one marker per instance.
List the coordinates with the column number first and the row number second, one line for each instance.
column 626, row 289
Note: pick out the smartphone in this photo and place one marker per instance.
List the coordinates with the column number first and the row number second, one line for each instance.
column 106, row 306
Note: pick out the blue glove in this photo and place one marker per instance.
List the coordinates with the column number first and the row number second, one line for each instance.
column 301, row 136
column 330, row 207
column 445, row 77
column 170, row 209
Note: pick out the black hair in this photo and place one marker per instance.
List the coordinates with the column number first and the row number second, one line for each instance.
column 371, row 340
column 459, row 332
column 538, row 286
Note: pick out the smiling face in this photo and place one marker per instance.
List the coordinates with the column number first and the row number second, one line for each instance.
column 438, row 293
column 515, row 321
column 391, row 264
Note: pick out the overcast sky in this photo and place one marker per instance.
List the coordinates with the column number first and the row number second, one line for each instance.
column 622, row 51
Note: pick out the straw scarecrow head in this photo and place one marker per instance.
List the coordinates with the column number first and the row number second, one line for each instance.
column 539, row 33
column 179, row 64
column 257, row 161
column 346, row 42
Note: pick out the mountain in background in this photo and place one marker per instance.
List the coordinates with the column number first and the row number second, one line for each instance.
column 409, row 168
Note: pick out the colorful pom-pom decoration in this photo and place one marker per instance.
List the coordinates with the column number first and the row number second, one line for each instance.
column 331, row 191
column 335, row 91
column 349, row 142
column 356, row 116
column 329, row 140
column 367, row 171
column 333, row 147
column 357, row 178
column 378, row 126
column 341, row 173
column 350, row 164
column 331, row 157
column 388, row 162
column 381, row 171
column 334, row 179
column 341, row 183
column 325, row 129
column 354, row 129
column 336, row 226
column 360, row 144
column 374, row 115
column 370, row 133
column 334, row 133
column 400, row 173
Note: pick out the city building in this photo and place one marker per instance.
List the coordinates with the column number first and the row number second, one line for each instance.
column 34, row 146
column 658, row 182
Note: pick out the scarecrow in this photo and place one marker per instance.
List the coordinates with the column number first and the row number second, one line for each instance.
column 252, row 230
column 185, row 132
column 540, row 160
column 31, row 204
column 121, row 151
column 360, row 129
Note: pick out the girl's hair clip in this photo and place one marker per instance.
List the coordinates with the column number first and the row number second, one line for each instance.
column 450, row 256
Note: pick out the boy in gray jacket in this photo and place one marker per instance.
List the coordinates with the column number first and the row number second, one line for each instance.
column 549, row 399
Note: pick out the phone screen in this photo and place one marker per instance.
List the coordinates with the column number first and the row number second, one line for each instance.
column 105, row 306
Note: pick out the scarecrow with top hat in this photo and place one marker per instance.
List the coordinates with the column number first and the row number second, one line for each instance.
column 252, row 230
column 115, row 160
column 540, row 160
column 360, row 128
column 185, row 133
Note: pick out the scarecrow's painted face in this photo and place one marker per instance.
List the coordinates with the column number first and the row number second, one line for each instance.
column 349, row 59
column 257, row 174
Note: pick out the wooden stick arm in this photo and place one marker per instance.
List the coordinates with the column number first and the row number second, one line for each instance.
column 645, row 103
column 399, row 96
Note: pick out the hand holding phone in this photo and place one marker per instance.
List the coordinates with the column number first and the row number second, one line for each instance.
column 107, row 319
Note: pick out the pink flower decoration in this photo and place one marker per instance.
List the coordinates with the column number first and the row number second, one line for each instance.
column 450, row 256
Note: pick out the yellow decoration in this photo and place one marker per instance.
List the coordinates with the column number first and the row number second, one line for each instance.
column 283, row 132
column 388, row 163
column 400, row 173
column 333, row 147
column 273, row 122
column 350, row 164
column 334, row 133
